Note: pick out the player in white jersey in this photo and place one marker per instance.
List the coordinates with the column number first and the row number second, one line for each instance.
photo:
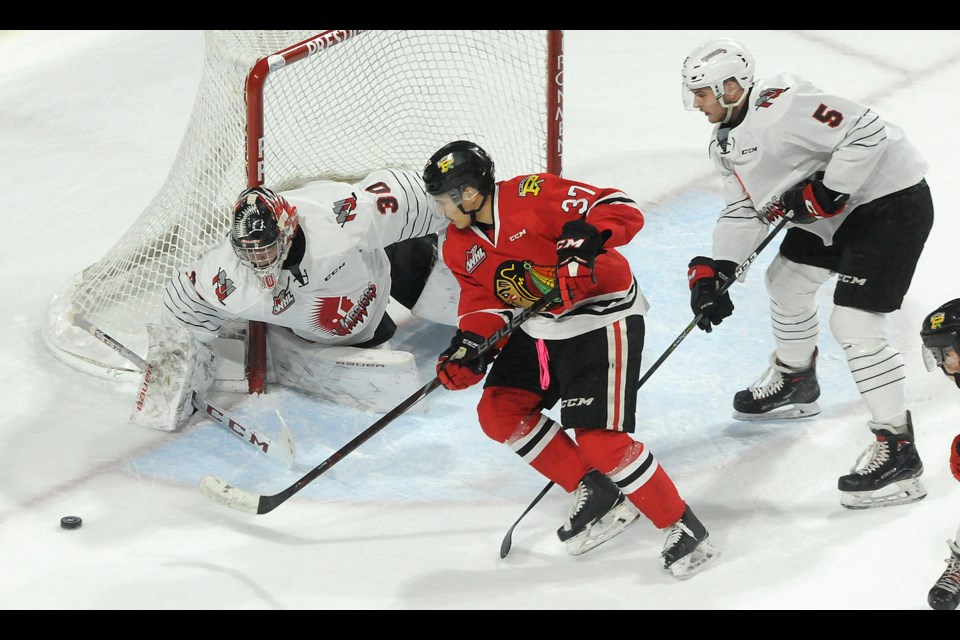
column 853, row 187
column 321, row 261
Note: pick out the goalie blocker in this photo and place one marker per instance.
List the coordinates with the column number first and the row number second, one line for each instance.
column 177, row 364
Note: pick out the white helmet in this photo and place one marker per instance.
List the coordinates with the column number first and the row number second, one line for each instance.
column 713, row 63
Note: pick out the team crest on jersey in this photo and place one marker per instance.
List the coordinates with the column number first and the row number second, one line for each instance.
column 530, row 186
column 345, row 210
column 764, row 99
column 222, row 285
column 520, row 283
column 475, row 255
column 283, row 300
column 340, row 316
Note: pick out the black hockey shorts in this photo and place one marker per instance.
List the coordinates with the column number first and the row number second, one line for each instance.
column 594, row 376
column 410, row 264
column 874, row 252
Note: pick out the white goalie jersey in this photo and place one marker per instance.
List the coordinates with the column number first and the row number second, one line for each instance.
column 790, row 131
column 335, row 283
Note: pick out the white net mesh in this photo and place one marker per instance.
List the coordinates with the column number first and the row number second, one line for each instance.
column 380, row 99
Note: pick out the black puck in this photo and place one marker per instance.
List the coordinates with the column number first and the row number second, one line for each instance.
column 71, row 522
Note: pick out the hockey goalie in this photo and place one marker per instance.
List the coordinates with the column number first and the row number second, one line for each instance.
column 318, row 264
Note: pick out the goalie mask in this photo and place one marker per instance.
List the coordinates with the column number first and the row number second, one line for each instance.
column 713, row 63
column 458, row 166
column 941, row 335
column 264, row 224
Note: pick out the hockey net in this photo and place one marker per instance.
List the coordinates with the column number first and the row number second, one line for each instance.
column 285, row 107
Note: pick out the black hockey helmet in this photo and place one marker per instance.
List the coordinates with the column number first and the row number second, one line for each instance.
column 264, row 224
column 458, row 165
column 940, row 332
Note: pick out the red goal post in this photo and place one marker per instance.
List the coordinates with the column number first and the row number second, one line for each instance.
column 284, row 107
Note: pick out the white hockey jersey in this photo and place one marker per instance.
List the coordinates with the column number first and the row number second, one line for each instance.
column 338, row 292
column 792, row 130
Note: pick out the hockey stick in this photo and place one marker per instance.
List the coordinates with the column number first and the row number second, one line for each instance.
column 243, row 500
column 505, row 545
column 507, row 539
column 726, row 285
column 285, row 455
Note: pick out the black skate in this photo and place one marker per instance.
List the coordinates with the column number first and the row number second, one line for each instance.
column 782, row 392
column 600, row 512
column 686, row 549
column 890, row 476
column 945, row 595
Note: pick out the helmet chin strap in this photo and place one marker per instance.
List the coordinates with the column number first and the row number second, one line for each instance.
column 730, row 108
column 473, row 212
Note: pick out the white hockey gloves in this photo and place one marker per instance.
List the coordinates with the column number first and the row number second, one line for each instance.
column 177, row 366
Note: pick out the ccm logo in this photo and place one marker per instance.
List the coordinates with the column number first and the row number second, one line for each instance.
column 851, row 279
column 577, row 402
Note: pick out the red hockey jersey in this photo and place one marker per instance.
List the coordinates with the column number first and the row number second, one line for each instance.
column 515, row 264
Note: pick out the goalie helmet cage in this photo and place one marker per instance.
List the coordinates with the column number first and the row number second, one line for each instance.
column 285, row 107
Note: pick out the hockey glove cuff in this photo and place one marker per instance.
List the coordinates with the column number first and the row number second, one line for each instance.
column 706, row 277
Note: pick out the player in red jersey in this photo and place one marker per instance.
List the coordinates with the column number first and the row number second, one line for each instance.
column 940, row 334
column 508, row 244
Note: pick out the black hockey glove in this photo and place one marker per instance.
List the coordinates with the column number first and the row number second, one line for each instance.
column 809, row 201
column 706, row 277
column 459, row 366
column 578, row 246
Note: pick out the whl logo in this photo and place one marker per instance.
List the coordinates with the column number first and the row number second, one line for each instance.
column 475, row 255
column 283, row 300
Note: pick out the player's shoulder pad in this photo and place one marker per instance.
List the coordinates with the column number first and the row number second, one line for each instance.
column 528, row 185
column 772, row 98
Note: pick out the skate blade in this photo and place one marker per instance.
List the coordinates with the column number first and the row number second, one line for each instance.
column 612, row 524
column 786, row 412
column 695, row 562
column 903, row 492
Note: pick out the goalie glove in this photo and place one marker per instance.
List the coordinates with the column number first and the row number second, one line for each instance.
column 578, row 246
column 177, row 365
column 460, row 366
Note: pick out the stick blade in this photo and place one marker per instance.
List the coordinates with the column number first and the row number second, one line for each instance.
column 506, row 544
column 286, row 440
column 229, row 496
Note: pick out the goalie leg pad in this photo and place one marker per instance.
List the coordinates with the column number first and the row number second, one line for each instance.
column 374, row 379
column 439, row 300
column 177, row 366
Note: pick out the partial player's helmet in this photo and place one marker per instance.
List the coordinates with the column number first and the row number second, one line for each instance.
column 264, row 224
column 941, row 333
column 456, row 166
column 713, row 63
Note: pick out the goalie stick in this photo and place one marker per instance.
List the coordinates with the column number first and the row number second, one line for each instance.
column 507, row 539
column 285, row 455
column 249, row 502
